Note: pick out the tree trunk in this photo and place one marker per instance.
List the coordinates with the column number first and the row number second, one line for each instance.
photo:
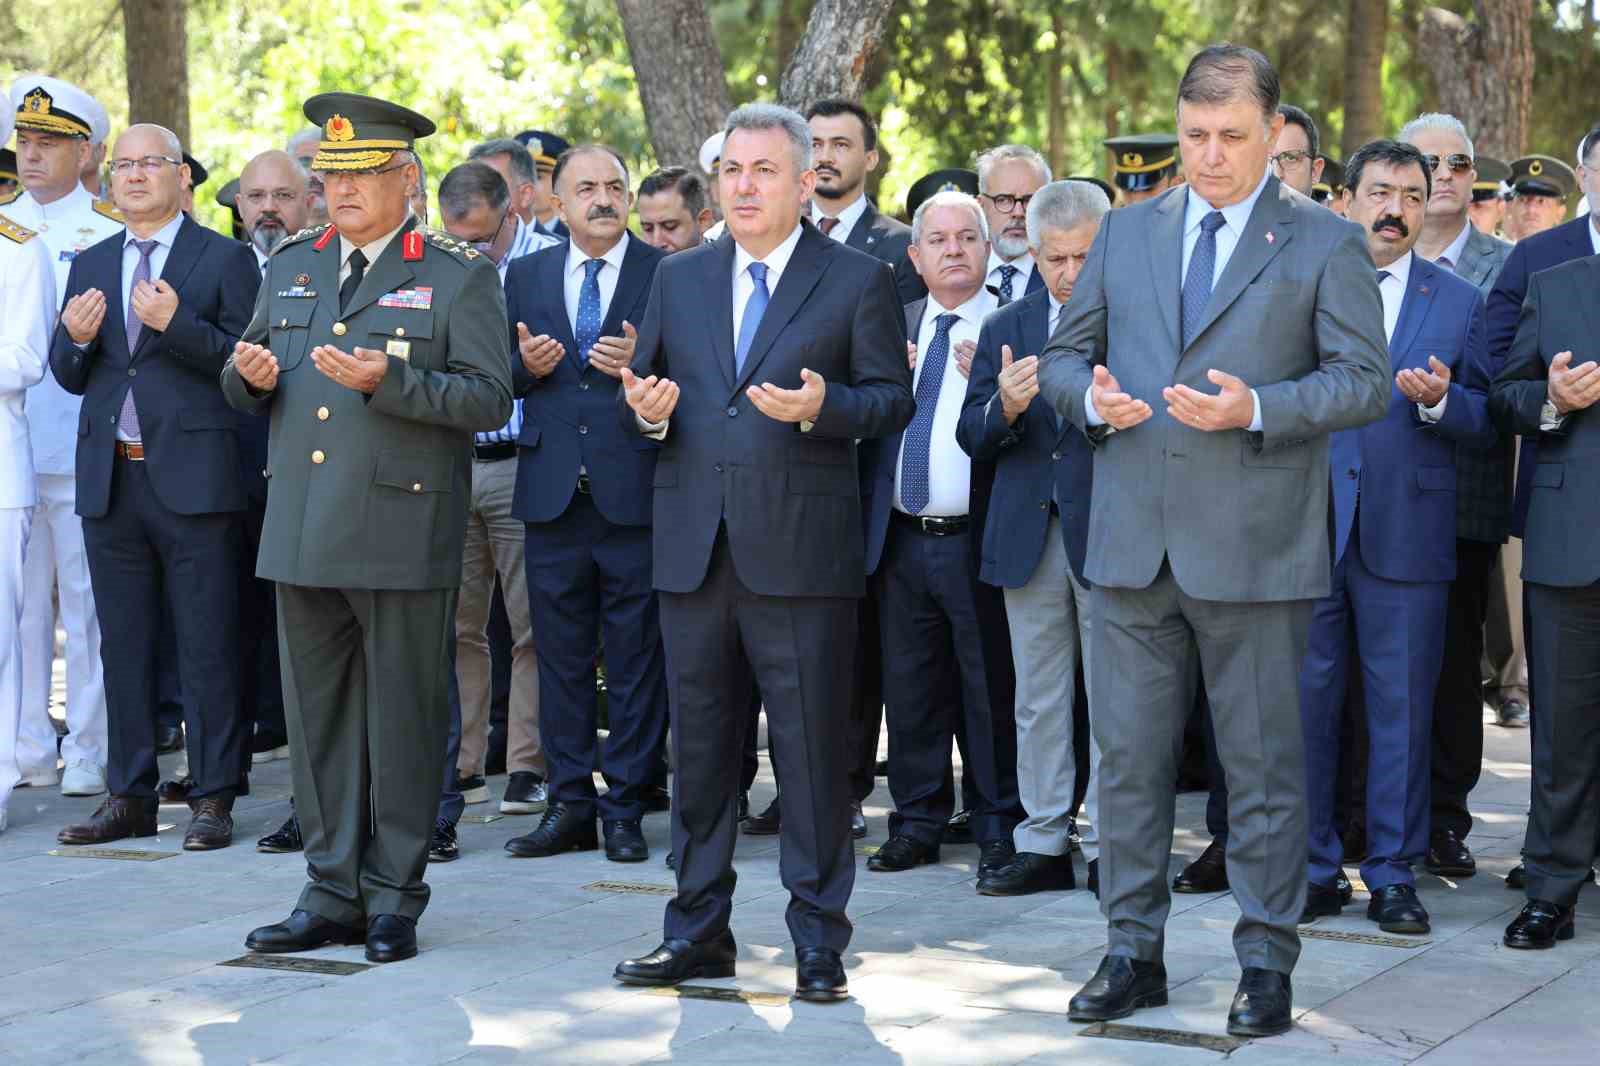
column 679, row 69
column 831, row 59
column 1366, row 31
column 157, row 52
column 1055, row 96
column 1484, row 70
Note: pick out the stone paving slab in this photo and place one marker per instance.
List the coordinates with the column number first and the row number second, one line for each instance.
column 108, row 962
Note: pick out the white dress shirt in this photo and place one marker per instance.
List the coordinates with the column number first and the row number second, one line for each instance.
column 28, row 292
column 261, row 260
column 572, row 280
column 1019, row 284
column 847, row 218
column 949, row 468
column 1450, row 258
column 1393, row 290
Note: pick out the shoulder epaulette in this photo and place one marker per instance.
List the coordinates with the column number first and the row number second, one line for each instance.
column 306, row 234
column 15, row 231
column 109, row 209
column 14, row 194
column 460, row 249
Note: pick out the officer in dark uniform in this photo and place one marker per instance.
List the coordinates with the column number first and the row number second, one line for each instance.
column 1488, row 208
column 546, row 148
column 1144, row 165
column 1541, row 185
column 378, row 348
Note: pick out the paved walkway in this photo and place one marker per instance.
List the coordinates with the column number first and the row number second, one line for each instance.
column 107, row 961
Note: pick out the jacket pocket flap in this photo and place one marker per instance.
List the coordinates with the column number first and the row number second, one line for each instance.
column 421, row 329
column 1549, row 475
column 1436, row 479
column 292, row 314
column 410, row 472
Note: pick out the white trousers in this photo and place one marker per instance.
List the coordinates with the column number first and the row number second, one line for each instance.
column 13, row 543
column 57, row 558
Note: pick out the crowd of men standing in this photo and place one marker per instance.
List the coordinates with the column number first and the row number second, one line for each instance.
column 1247, row 449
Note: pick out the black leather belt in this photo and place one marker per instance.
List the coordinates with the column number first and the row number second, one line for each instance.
column 583, row 484
column 931, row 525
column 488, row 453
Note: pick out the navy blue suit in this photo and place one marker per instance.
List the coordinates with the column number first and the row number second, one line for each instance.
column 169, row 524
column 1394, row 513
column 588, row 543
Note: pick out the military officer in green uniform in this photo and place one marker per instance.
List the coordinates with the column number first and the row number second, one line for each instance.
column 379, row 348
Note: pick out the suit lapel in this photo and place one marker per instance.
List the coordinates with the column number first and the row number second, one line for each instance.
column 632, row 280
column 1591, row 308
column 1265, row 235
column 552, row 287
column 1035, row 335
column 1420, row 288
column 181, row 259
column 389, row 273
column 799, row 278
column 719, row 293
column 862, row 235
column 1166, row 259
column 116, row 311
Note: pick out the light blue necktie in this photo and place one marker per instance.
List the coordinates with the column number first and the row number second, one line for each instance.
column 1197, row 283
column 588, row 331
column 919, row 434
column 753, row 310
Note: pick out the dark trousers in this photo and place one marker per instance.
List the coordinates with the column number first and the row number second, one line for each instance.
column 498, row 634
column 589, row 579
column 866, row 702
column 1564, row 658
column 452, row 802
column 260, row 678
column 1393, row 633
column 140, row 553
column 798, row 650
column 934, row 677
column 365, row 700
column 1458, row 700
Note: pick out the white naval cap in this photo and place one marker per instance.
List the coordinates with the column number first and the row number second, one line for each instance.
column 51, row 105
column 99, row 121
column 711, row 151
column 6, row 123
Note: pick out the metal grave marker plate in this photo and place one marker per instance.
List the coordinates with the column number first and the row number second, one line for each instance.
column 723, row 995
column 298, row 964
column 112, row 853
column 630, row 888
column 1171, row 1037
column 1365, row 938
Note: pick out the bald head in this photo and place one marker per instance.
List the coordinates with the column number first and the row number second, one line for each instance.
column 273, row 199
column 148, row 133
column 148, row 176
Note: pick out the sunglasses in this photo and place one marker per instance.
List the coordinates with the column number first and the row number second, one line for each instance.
column 1458, row 162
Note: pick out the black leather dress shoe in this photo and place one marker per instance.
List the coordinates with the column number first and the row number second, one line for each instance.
column 1264, row 1004
column 742, row 811
column 116, row 818
column 858, row 820
column 301, row 931
column 1397, row 909
column 285, row 838
column 391, row 938
column 1540, row 925
column 655, row 799
column 562, row 829
column 1449, row 856
column 1347, row 891
column 1321, row 902
column 672, row 860
column 766, row 823
column 1118, row 988
column 444, row 846
column 1511, row 714
column 902, row 853
column 212, row 825
column 958, row 830
column 680, row 960
column 1208, row 873
column 880, row 768
column 994, row 855
column 1093, row 882
column 624, row 841
column 1517, row 877
column 1028, row 873
column 819, row 975
column 169, row 738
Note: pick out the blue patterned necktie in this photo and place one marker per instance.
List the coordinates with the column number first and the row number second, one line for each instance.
column 919, row 434
column 1197, row 283
column 754, row 308
column 1007, row 273
column 588, row 331
column 128, row 417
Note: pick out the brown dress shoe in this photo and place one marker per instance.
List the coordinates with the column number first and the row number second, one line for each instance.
column 212, row 826
column 116, row 818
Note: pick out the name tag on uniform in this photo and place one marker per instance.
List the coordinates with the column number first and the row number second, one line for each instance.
column 67, row 255
column 418, row 299
column 399, row 349
column 298, row 292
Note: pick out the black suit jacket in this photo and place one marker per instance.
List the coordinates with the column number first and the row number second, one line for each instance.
column 568, row 416
column 1557, row 245
column 788, row 498
column 1038, row 458
column 190, row 434
column 1561, row 313
column 888, row 239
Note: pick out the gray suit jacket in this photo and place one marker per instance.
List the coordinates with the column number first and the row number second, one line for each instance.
column 1482, row 259
column 1296, row 315
column 1483, row 475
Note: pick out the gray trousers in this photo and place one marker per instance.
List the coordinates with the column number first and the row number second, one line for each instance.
column 1050, row 619
column 1147, row 644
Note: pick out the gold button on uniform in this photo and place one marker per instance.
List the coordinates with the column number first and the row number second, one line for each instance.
column 322, row 414
column 399, row 331
column 318, row 457
column 340, row 329
column 416, row 486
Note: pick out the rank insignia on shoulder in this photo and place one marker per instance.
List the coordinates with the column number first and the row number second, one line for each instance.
column 108, row 209
column 15, row 231
column 327, row 236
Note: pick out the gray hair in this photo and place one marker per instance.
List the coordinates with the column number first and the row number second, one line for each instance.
column 773, row 117
column 1064, row 205
column 1436, row 120
column 987, row 161
column 948, row 198
column 522, row 164
column 311, row 133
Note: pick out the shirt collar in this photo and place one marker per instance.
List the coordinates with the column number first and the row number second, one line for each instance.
column 973, row 310
column 1023, row 262
column 163, row 236
column 1400, row 269
column 1235, row 216
column 1458, row 246
column 576, row 257
column 848, row 217
column 371, row 250
column 1055, row 307
column 776, row 260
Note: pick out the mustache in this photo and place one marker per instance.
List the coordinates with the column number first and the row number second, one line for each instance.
column 601, row 212
column 828, row 170
column 1392, row 220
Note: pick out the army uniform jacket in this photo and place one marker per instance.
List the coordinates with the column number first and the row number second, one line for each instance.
column 372, row 491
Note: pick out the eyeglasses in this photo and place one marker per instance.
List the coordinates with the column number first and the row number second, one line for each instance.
column 1005, row 203
column 281, row 197
column 483, row 244
column 148, row 164
column 1458, row 162
column 1293, row 157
